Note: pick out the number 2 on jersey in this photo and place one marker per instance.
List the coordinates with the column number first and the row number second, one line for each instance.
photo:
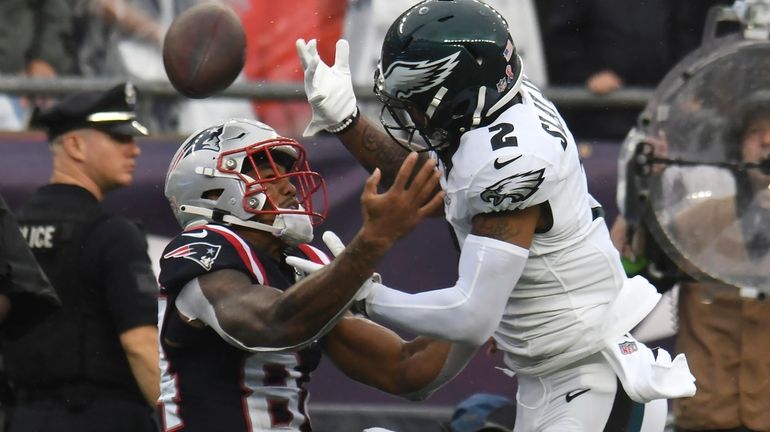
column 503, row 137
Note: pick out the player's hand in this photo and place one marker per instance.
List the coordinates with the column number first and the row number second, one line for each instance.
column 390, row 215
column 328, row 89
column 336, row 247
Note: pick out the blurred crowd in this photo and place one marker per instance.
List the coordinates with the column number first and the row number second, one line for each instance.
column 601, row 45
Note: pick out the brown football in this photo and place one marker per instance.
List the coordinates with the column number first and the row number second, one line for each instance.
column 204, row 50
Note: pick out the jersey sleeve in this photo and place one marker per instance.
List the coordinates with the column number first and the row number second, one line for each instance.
column 194, row 253
column 130, row 288
column 511, row 182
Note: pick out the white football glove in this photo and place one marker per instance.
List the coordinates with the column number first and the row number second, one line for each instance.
column 329, row 89
column 336, row 246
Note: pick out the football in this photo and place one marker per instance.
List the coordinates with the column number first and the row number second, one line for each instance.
column 204, row 50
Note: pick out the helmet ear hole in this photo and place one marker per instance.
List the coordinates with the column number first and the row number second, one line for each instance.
column 212, row 194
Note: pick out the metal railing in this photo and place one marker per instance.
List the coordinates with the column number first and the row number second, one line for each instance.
column 565, row 97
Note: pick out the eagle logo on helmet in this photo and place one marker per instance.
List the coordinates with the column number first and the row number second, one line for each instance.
column 403, row 79
column 517, row 187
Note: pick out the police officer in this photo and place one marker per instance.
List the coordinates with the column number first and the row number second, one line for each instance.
column 94, row 364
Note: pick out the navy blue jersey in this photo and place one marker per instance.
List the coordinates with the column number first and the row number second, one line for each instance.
column 208, row 384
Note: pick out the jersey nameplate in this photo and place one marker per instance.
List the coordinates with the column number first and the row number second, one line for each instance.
column 549, row 118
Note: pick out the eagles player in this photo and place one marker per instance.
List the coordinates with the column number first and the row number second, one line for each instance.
column 241, row 331
column 537, row 269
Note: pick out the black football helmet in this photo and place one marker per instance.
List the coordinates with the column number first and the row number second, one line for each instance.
column 448, row 66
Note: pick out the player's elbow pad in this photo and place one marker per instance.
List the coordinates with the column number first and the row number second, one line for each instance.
column 468, row 312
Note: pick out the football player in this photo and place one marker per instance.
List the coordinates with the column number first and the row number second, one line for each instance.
column 537, row 269
column 241, row 330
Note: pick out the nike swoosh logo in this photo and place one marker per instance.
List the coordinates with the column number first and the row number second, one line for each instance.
column 500, row 165
column 575, row 393
column 201, row 234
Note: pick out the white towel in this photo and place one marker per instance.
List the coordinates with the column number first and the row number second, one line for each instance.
column 645, row 377
column 633, row 303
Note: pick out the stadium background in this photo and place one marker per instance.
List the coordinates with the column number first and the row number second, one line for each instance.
column 418, row 262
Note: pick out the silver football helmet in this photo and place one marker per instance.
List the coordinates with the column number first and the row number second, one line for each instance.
column 213, row 177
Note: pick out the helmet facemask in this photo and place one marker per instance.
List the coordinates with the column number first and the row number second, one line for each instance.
column 282, row 158
column 402, row 120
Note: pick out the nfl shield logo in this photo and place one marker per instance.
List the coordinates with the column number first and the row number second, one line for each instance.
column 627, row 348
column 508, row 51
column 501, row 85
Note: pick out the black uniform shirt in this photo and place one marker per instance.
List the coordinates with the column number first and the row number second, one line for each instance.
column 114, row 258
column 99, row 266
column 20, row 276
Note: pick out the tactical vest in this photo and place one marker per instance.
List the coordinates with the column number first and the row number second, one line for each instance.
column 78, row 345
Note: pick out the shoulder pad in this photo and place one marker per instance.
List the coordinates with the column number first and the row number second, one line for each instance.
column 207, row 249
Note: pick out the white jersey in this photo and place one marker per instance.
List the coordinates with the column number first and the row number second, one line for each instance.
column 525, row 158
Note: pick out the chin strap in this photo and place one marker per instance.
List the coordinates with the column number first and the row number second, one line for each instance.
column 229, row 219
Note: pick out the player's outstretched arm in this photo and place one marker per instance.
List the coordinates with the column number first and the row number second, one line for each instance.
column 491, row 262
column 264, row 318
column 378, row 357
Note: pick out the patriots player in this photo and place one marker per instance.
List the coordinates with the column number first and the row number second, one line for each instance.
column 537, row 269
column 241, row 331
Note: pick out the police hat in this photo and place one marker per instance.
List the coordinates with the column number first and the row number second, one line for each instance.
column 111, row 112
